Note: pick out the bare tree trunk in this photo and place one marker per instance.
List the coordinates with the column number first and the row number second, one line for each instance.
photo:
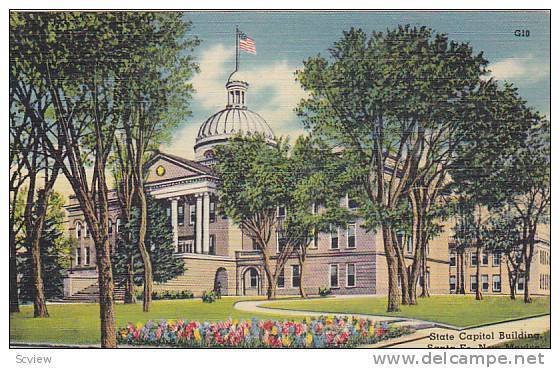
column 148, row 275
column 425, row 279
column 462, row 274
column 301, row 259
column 393, row 297
column 402, row 269
column 14, row 295
column 478, row 286
column 106, row 297
column 129, row 295
column 39, row 302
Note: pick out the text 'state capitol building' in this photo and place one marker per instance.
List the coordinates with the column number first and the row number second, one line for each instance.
column 217, row 252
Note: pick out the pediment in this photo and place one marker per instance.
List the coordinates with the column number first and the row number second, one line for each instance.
column 164, row 167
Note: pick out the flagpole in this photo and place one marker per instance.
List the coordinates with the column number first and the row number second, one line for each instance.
column 236, row 48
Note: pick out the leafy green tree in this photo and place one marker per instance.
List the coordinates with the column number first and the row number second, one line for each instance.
column 504, row 159
column 253, row 184
column 159, row 238
column 391, row 102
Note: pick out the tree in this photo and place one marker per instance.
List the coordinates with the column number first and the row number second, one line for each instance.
column 503, row 236
column 55, row 254
column 159, row 238
column 391, row 102
column 314, row 204
column 157, row 98
column 253, row 184
column 504, row 159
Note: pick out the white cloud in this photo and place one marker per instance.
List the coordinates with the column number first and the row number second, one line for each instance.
column 527, row 69
column 273, row 93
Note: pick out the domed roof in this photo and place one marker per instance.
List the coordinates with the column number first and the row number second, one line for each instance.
column 234, row 120
column 237, row 76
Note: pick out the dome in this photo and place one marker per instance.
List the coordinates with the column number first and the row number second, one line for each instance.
column 232, row 121
column 235, row 119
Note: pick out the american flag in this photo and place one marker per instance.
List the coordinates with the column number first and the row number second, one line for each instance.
column 247, row 44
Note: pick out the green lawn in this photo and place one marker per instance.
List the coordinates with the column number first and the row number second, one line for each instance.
column 456, row 310
column 79, row 323
column 541, row 342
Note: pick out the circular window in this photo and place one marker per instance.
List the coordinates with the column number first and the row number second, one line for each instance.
column 160, row 170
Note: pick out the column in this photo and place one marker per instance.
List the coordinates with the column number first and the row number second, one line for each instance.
column 206, row 223
column 199, row 223
column 174, row 224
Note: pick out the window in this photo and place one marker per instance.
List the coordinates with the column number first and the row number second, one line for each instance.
column 118, row 225
column 281, row 211
column 485, row 258
column 351, row 238
column 78, row 256
column 315, row 241
column 496, row 258
column 333, row 279
column 253, row 278
column 87, row 231
column 254, row 243
column 296, row 277
column 474, row 259
column 473, row 283
column 496, row 283
column 212, row 246
column 484, row 279
column 409, row 245
column 192, row 214
column 280, row 241
column 350, row 275
column 452, row 283
column 334, row 237
column 88, row 255
column 181, row 214
column 110, row 227
column 212, row 211
column 79, row 230
column 452, row 259
column 521, row 283
column 281, row 280
column 351, row 203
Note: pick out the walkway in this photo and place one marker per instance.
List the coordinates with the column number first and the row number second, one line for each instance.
column 428, row 334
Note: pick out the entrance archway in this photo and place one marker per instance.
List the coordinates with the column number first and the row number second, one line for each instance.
column 221, row 281
column 251, row 282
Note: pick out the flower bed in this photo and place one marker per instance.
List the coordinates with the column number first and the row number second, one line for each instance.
column 322, row 332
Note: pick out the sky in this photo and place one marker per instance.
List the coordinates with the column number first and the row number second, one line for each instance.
column 285, row 39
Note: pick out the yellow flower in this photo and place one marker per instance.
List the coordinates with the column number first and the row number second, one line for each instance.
column 307, row 320
column 357, row 327
column 309, row 339
column 286, row 340
column 197, row 336
column 139, row 325
column 234, row 322
column 371, row 330
column 274, row 330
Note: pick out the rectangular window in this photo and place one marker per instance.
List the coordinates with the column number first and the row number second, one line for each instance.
column 333, row 276
column 473, row 283
column 485, row 258
column 409, row 244
column 496, row 259
column 281, row 212
column 254, row 244
column 78, row 256
column 521, row 283
column 281, row 280
column 452, row 283
column 280, row 241
column 484, row 280
column 315, row 241
column 110, row 227
column 452, row 259
column 474, row 259
column 296, row 277
column 192, row 216
column 88, row 255
column 351, row 203
column 212, row 246
column 351, row 236
column 118, row 227
column 181, row 214
column 87, row 231
column 496, row 283
column 350, row 275
column 334, row 237
column 212, row 211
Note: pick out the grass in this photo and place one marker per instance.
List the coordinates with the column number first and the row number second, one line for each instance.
column 79, row 323
column 456, row 310
column 541, row 342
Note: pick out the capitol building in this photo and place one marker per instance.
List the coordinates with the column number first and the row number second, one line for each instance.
column 217, row 253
